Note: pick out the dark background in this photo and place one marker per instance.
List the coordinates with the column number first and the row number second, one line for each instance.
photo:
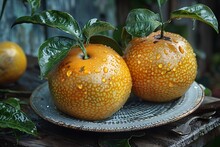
column 204, row 40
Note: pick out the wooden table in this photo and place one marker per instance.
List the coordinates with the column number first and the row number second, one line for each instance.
column 53, row 135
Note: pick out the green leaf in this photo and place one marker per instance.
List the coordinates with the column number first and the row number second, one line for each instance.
column 142, row 22
column 3, row 8
column 35, row 4
column 208, row 92
column 95, row 26
column 14, row 102
column 56, row 19
column 199, row 12
column 52, row 51
column 13, row 118
column 107, row 41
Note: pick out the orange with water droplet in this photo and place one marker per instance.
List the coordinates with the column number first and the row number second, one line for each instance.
column 93, row 95
column 171, row 66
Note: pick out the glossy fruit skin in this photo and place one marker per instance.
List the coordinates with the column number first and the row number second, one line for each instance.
column 161, row 69
column 92, row 89
column 13, row 62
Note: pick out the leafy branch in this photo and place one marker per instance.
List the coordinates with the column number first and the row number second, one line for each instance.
column 54, row 49
column 34, row 4
column 142, row 22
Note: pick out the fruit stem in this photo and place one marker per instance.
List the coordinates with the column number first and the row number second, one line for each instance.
column 161, row 31
column 162, row 23
column 84, row 51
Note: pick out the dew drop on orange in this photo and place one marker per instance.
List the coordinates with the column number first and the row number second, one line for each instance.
column 69, row 73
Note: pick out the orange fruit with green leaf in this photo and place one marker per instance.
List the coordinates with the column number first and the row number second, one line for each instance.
column 87, row 78
column 162, row 64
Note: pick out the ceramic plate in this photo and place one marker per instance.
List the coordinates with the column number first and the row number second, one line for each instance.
column 135, row 114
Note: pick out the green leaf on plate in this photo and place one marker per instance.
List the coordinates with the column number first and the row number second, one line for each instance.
column 13, row 118
column 52, row 51
column 107, row 41
column 55, row 19
column 35, row 4
column 95, row 26
column 198, row 12
column 14, row 102
column 142, row 22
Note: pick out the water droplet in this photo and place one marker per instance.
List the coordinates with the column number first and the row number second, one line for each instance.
column 105, row 69
column 158, row 56
column 174, row 69
column 181, row 49
column 103, row 80
column 97, row 70
column 118, row 57
column 174, row 40
column 86, row 72
column 169, row 65
column 139, row 62
column 48, row 106
column 160, row 65
column 80, row 86
column 69, row 73
column 165, row 52
column 170, row 84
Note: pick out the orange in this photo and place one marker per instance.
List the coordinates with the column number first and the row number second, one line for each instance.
column 161, row 69
column 13, row 62
column 91, row 89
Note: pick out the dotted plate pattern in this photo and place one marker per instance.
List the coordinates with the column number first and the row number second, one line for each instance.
column 135, row 114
